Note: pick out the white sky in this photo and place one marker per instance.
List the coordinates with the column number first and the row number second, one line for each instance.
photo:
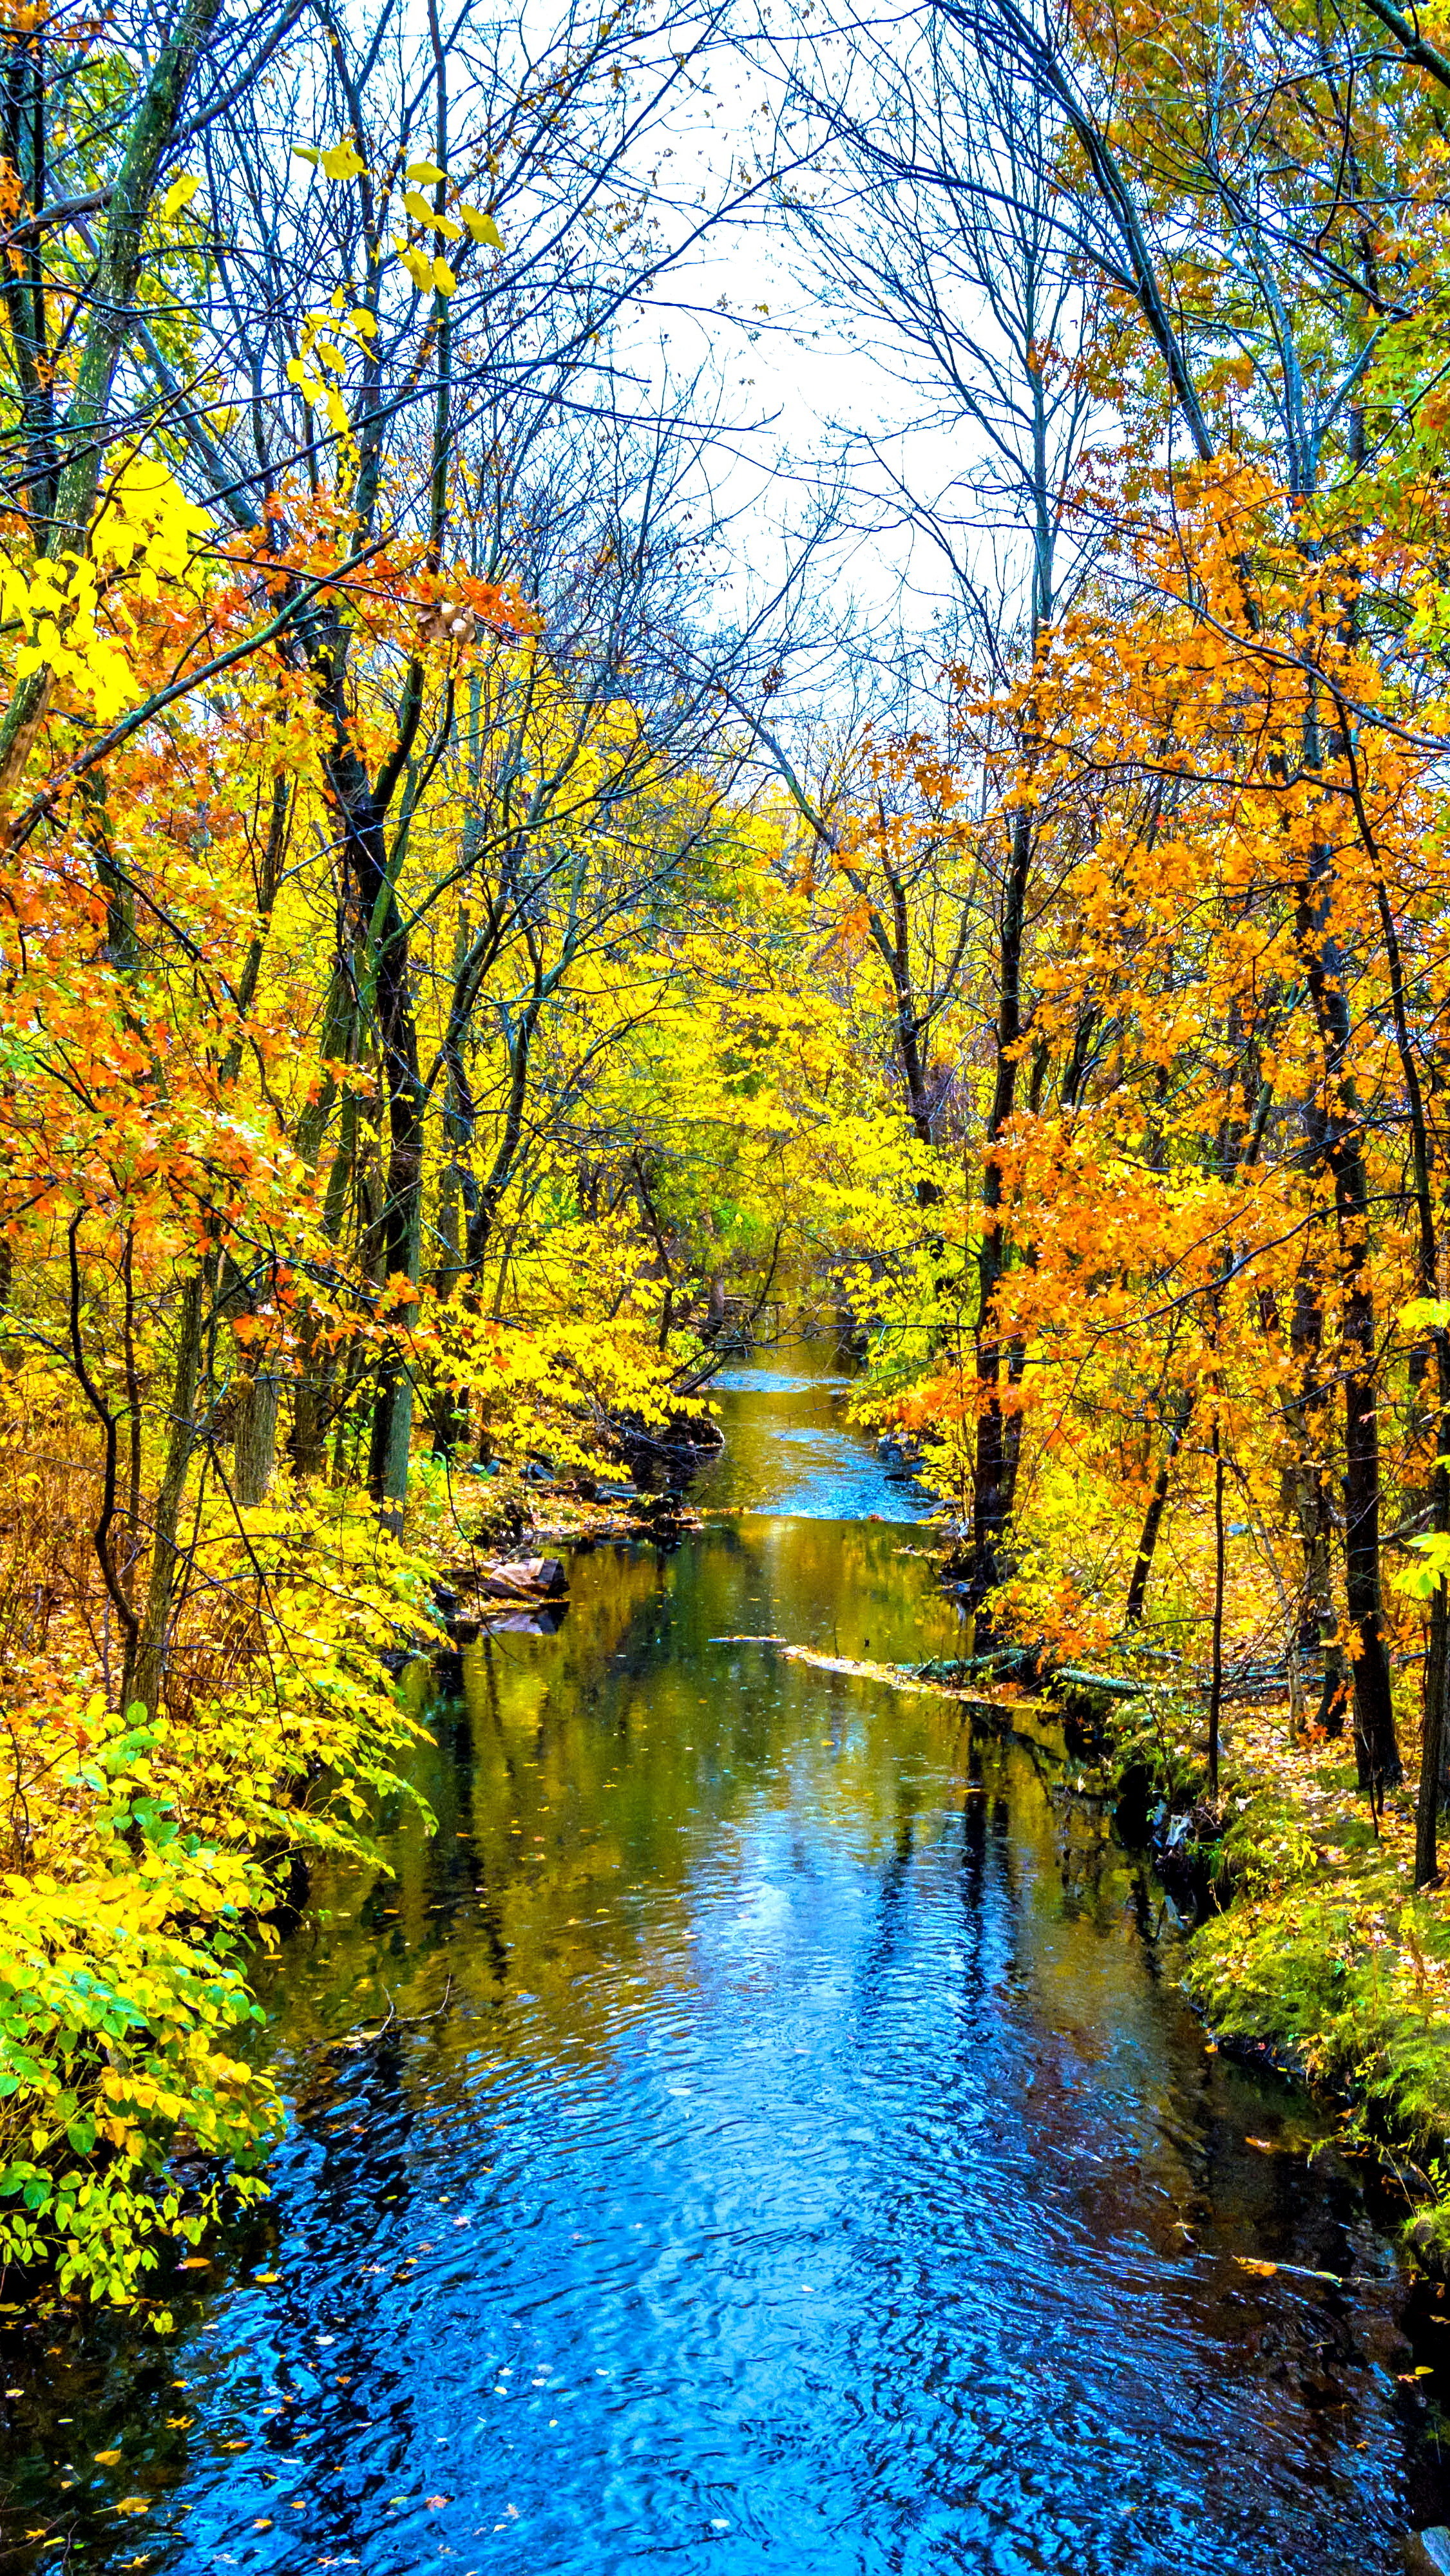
column 794, row 377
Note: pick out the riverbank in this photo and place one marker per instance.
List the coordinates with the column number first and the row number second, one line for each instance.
column 153, row 1859
column 1312, row 1948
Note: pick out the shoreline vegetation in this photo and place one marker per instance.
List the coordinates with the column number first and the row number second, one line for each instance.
column 490, row 923
column 1308, row 1938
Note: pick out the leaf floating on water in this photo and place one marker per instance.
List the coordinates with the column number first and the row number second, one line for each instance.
column 1266, row 2146
column 106, row 2459
column 133, row 2504
column 1300, row 2271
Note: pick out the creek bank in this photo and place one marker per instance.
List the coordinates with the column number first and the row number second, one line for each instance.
column 1307, row 1946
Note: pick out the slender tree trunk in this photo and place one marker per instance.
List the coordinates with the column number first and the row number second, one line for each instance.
column 314, row 1382
column 110, row 306
column 1215, row 1687
column 1307, row 1493
column 385, row 950
column 998, row 1432
column 1153, row 1517
column 484, row 1214
column 1434, row 1746
column 146, row 1659
column 255, row 1439
column 1338, row 1136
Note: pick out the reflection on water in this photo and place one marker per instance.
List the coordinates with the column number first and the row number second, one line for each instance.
column 758, row 2133
column 790, row 1450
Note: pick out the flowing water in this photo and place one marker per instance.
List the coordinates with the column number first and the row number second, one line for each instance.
column 759, row 2132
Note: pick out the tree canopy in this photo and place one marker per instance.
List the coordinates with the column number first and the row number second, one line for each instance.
column 459, row 979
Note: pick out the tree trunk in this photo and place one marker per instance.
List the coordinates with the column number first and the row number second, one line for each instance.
column 399, row 1248
column 1336, row 1132
column 1152, row 1518
column 255, row 1450
column 146, row 1661
column 999, row 1434
column 112, row 314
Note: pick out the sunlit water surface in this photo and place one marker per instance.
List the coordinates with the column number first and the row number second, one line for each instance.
column 786, row 2150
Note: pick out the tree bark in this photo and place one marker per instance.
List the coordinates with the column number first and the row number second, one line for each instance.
column 146, row 1656
column 999, row 1433
column 1153, row 1517
column 1337, row 1135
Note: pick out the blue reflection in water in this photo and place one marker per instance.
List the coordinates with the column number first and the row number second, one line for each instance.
column 758, row 2133
column 790, row 1449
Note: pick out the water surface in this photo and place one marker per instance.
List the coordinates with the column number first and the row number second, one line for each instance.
column 792, row 1450
column 759, row 2135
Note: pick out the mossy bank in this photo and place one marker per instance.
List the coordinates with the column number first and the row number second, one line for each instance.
column 1308, row 1937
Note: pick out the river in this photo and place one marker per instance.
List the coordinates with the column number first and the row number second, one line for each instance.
column 787, row 2152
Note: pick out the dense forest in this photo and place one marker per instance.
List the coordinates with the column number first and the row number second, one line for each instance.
column 472, row 956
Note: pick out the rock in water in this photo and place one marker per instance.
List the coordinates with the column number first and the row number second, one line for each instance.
column 532, row 1578
column 1427, row 2553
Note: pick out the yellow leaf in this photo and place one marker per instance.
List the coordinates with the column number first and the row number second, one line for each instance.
column 417, row 263
column 343, row 160
column 425, row 170
column 443, row 277
column 107, row 2459
column 304, row 152
column 482, row 227
column 133, row 2504
column 179, row 194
